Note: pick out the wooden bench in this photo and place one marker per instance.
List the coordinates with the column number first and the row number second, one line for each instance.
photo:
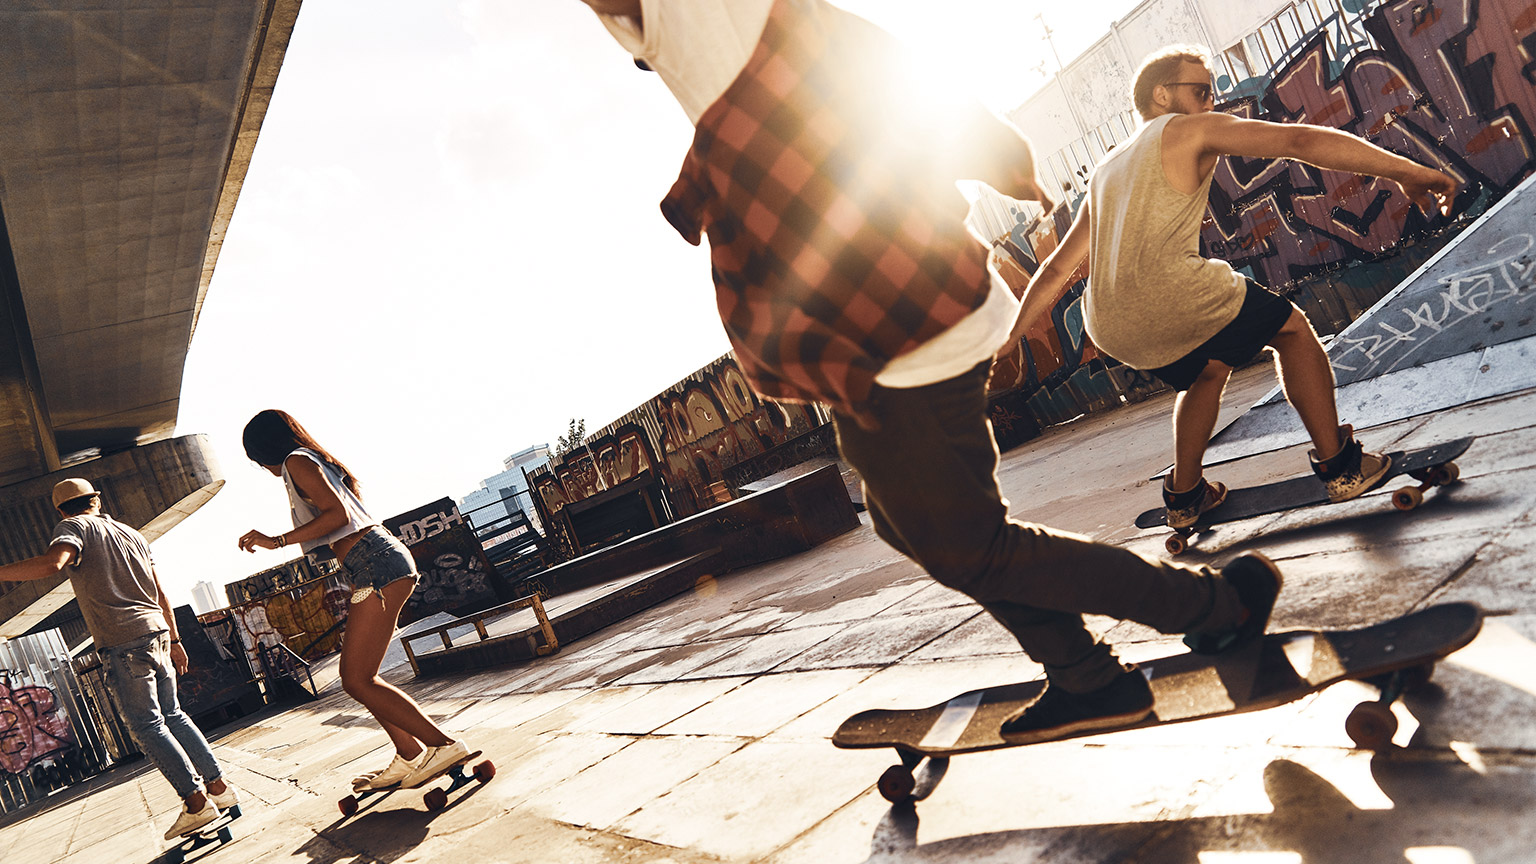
column 478, row 619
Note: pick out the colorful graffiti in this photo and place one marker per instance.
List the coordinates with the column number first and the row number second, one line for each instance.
column 31, row 726
column 455, row 574
column 1451, row 85
column 688, row 436
column 306, row 618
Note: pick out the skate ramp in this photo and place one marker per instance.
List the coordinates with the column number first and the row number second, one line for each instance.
column 1459, row 329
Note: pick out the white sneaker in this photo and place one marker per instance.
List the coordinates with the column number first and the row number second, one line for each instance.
column 187, row 822
column 228, row 799
column 436, row 761
column 399, row 768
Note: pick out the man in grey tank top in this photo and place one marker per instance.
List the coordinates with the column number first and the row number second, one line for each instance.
column 1154, row 303
column 130, row 620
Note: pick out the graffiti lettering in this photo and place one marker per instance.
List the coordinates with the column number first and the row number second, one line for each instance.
column 1507, row 274
column 31, row 727
column 430, row 525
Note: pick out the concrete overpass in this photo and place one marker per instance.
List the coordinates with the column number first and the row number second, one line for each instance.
column 126, row 129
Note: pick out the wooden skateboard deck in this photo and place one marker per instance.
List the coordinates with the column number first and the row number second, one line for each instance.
column 1274, row 670
column 1431, row 466
column 437, row 798
column 215, row 832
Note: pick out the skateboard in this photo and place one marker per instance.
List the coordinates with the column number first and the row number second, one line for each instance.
column 1397, row 656
column 1431, row 466
column 215, row 832
column 435, row 799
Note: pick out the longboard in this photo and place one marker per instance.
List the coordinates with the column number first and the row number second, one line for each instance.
column 215, row 832
column 1431, row 466
column 1274, row 670
column 437, row 798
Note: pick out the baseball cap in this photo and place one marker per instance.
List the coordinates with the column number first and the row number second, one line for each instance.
column 69, row 490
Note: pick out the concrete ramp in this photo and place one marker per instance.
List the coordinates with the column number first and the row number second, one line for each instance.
column 1460, row 328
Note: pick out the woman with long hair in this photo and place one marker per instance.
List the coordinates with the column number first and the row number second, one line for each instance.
column 328, row 512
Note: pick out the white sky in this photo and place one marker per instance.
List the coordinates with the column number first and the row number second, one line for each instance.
column 448, row 243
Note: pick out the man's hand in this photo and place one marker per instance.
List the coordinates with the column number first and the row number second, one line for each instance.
column 1432, row 190
column 179, row 658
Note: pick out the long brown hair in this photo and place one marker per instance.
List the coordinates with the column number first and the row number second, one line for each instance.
column 272, row 434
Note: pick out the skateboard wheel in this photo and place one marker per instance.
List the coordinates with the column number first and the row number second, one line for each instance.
column 485, row 771
column 1446, row 474
column 1371, row 726
column 1175, row 544
column 896, row 784
column 347, row 805
column 1407, row 498
column 436, row 799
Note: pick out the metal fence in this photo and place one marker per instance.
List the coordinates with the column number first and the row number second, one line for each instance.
column 57, row 723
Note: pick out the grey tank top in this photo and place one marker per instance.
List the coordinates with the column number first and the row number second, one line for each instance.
column 1151, row 297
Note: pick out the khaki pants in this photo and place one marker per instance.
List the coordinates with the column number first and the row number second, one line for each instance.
column 930, row 483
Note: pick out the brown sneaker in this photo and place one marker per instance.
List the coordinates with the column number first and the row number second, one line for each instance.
column 1351, row 472
column 1184, row 508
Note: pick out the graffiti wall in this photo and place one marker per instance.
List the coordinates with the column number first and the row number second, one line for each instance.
column 455, row 574
column 1450, row 84
column 49, row 735
column 687, row 437
column 308, row 618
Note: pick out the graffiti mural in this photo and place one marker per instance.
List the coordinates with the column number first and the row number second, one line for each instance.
column 307, row 618
column 455, row 574
column 687, row 437
column 31, row 726
column 1450, row 85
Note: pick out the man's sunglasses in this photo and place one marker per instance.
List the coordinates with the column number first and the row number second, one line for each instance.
column 1202, row 89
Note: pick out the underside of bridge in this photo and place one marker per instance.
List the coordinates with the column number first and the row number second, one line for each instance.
column 125, row 132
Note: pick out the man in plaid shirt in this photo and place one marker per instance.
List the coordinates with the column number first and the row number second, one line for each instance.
column 843, row 274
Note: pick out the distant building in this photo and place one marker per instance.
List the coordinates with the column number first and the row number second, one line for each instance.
column 505, row 494
column 206, row 597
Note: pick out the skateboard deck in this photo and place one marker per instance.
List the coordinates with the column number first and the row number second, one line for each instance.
column 1431, row 466
column 1279, row 668
column 215, row 832
column 436, row 798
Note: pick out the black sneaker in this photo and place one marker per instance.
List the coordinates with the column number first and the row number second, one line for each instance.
column 1184, row 508
column 1257, row 581
column 1058, row 713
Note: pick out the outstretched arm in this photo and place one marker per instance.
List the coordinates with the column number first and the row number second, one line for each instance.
column 50, row 563
column 1051, row 280
column 1217, row 134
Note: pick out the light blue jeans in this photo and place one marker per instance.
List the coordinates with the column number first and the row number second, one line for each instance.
column 143, row 679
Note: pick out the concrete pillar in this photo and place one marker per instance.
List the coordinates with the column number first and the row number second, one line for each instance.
column 151, row 487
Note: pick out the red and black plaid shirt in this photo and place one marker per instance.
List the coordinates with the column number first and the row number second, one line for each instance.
column 835, row 229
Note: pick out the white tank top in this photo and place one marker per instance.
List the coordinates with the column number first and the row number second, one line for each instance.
column 305, row 512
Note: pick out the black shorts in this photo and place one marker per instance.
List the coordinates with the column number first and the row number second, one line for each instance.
column 1263, row 314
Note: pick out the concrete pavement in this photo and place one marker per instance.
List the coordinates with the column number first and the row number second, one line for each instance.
column 697, row 731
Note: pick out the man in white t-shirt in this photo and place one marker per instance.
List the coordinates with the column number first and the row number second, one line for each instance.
column 134, row 630
column 844, row 275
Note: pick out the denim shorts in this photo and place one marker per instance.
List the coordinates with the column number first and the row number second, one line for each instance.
column 1263, row 314
column 375, row 560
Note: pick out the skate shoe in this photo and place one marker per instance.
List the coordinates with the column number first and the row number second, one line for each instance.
column 1184, row 508
column 1121, row 702
column 188, row 822
column 1257, row 581
column 1351, row 472
column 399, row 768
column 434, row 761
